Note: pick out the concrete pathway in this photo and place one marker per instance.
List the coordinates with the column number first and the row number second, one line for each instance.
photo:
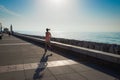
column 21, row 60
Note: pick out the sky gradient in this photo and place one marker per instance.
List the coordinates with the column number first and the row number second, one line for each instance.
column 61, row 15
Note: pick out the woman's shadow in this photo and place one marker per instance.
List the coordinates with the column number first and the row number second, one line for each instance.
column 41, row 67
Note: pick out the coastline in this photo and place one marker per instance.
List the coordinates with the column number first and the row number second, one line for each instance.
column 111, row 48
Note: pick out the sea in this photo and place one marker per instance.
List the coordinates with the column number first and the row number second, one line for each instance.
column 101, row 37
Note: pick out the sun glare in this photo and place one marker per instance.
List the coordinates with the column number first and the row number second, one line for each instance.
column 57, row 1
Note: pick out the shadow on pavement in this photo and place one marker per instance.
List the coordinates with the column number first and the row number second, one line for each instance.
column 41, row 67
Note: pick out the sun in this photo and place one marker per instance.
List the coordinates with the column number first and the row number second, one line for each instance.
column 49, row 5
column 59, row 2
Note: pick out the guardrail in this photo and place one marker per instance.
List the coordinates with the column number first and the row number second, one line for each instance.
column 115, row 58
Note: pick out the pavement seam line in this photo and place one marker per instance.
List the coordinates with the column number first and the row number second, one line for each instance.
column 14, row 44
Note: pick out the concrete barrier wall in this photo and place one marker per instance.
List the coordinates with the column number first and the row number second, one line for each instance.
column 107, row 56
column 111, row 48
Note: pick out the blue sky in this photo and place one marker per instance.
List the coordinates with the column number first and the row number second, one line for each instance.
column 105, row 6
column 16, row 5
column 61, row 15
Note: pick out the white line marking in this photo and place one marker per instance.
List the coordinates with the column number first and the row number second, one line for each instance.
column 14, row 44
column 28, row 66
column 9, row 39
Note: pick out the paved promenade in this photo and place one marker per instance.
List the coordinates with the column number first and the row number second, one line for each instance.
column 21, row 60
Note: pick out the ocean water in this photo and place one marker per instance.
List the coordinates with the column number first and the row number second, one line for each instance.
column 102, row 37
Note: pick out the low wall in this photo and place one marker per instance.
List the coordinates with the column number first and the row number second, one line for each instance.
column 111, row 48
column 106, row 56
